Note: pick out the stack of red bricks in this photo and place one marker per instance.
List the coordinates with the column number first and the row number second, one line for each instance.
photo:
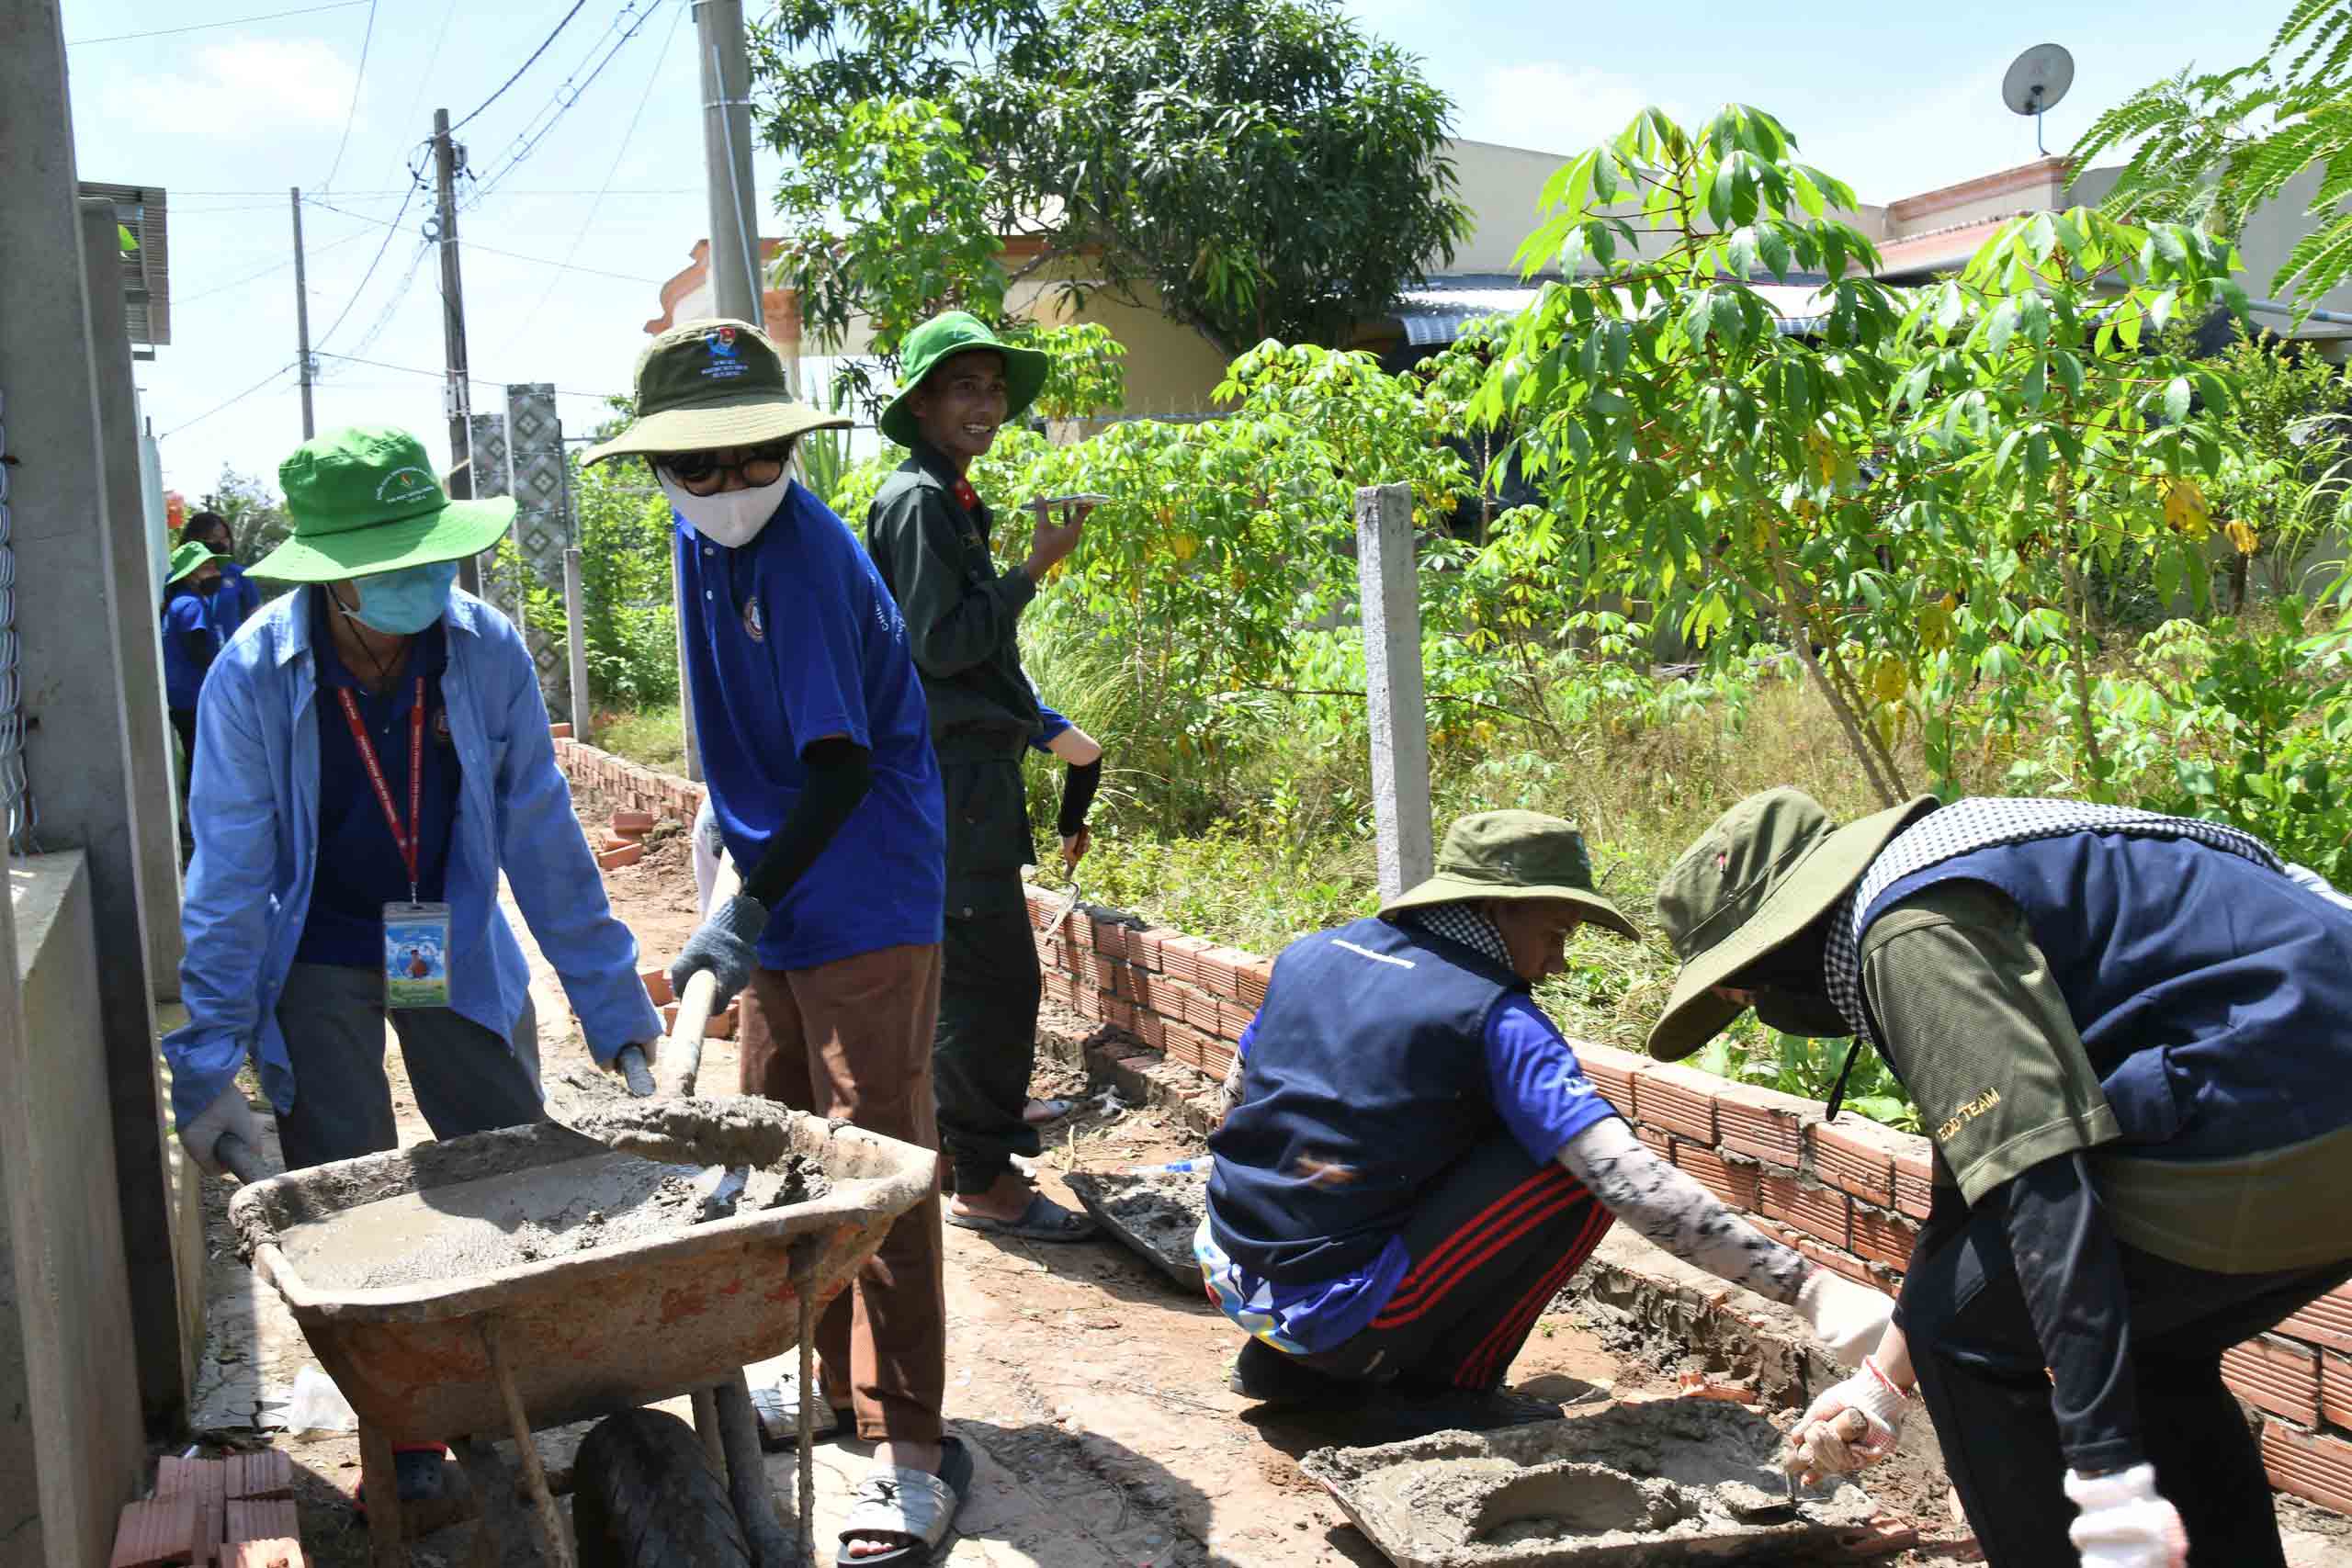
column 1183, row 996
column 236, row 1512
column 1847, row 1194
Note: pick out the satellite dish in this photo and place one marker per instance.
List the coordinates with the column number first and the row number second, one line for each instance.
column 2035, row 82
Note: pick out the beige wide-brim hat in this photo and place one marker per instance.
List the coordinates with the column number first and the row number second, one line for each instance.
column 706, row 385
column 1514, row 856
column 1769, row 868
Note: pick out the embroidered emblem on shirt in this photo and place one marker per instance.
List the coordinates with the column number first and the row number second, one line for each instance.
column 966, row 496
column 755, row 621
column 725, row 364
column 1968, row 1112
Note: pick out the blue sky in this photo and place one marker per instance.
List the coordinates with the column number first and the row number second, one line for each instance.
column 227, row 118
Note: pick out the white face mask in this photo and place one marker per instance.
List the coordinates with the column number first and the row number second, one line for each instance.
column 734, row 517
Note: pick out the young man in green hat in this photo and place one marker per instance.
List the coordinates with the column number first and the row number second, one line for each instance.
column 2127, row 1036
column 373, row 754
column 1417, row 1164
column 928, row 531
column 816, row 748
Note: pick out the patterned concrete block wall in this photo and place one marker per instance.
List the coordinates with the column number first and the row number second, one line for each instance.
column 1848, row 1194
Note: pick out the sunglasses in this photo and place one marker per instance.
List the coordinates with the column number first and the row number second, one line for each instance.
column 701, row 473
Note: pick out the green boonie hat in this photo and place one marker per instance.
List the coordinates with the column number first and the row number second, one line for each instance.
column 363, row 500
column 1769, row 867
column 712, row 383
column 188, row 557
column 1517, row 855
column 945, row 336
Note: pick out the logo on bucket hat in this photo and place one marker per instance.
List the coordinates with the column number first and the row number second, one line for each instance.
column 403, row 486
column 725, row 362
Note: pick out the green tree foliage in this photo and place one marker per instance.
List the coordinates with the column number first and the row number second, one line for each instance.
column 2212, row 148
column 257, row 520
column 1254, row 168
column 629, row 623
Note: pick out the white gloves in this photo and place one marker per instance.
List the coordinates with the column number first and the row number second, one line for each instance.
column 1822, row 1449
column 229, row 1113
column 1845, row 1317
column 2125, row 1524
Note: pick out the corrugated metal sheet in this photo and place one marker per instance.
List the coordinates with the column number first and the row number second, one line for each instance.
column 1436, row 312
column 146, row 272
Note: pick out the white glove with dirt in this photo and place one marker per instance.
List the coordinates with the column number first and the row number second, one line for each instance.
column 1845, row 1317
column 1820, row 1445
column 2124, row 1523
column 229, row 1113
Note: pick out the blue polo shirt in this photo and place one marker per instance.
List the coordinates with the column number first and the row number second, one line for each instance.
column 183, row 613
column 360, row 868
column 790, row 639
column 233, row 601
column 1052, row 724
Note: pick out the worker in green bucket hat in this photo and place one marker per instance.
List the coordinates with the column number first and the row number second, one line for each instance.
column 2126, row 1037
column 929, row 532
column 373, row 758
column 191, row 639
column 1414, row 1161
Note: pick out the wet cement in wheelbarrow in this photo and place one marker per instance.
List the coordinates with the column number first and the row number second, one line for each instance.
column 466, row 1230
column 1658, row 1481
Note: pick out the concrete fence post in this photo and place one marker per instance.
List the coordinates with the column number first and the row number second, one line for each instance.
column 1385, row 573
column 575, row 606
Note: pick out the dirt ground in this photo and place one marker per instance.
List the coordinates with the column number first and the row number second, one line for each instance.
column 1090, row 1390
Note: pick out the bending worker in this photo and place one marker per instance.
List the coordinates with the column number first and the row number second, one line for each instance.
column 372, row 755
column 818, row 755
column 928, row 532
column 1417, row 1164
column 2126, row 1034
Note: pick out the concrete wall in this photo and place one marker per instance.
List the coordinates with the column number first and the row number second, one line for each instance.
column 73, row 1447
column 1170, row 368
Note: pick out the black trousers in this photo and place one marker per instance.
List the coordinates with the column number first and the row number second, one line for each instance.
column 184, row 725
column 989, row 982
column 1491, row 1244
column 1980, row 1367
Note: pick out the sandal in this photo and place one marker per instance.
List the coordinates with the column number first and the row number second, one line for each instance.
column 1043, row 1220
column 915, row 1504
column 1040, row 1112
column 777, row 1405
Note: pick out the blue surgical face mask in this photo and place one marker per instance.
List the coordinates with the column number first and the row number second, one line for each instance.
column 404, row 601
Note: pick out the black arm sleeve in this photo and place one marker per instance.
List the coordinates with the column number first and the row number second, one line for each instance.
column 1078, row 796
column 200, row 647
column 840, row 773
column 2071, row 1274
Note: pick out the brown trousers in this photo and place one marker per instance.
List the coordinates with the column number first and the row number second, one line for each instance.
column 852, row 1039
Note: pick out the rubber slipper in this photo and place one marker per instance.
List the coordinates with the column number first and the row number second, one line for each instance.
column 1038, row 1113
column 907, row 1503
column 1043, row 1220
column 778, row 1407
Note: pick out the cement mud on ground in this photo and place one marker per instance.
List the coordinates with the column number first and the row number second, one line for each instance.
column 1157, row 1214
column 1658, row 1481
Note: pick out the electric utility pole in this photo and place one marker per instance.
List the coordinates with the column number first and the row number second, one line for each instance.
column 302, row 314
column 456, row 396
column 726, row 160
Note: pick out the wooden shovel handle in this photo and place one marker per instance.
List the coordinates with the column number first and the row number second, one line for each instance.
column 682, row 1056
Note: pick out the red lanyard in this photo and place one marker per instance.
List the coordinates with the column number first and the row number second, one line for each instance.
column 405, row 838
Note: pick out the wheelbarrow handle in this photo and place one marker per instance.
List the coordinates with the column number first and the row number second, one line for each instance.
column 239, row 1158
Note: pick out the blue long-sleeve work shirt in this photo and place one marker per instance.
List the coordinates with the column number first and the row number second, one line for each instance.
column 255, row 809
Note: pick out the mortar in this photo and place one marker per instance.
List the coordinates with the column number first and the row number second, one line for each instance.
column 1654, row 1483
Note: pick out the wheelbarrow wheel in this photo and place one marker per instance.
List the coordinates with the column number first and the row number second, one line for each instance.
column 644, row 1495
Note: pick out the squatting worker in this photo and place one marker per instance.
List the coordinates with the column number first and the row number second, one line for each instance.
column 1416, row 1163
column 816, row 750
column 2127, row 1035
column 928, row 531
column 373, row 753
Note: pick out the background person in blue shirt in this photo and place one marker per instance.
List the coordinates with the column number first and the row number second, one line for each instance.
column 816, row 750
column 1416, row 1163
column 190, row 639
column 239, row 597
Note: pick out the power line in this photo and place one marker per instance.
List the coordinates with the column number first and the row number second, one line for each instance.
column 441, row 375
column 377, row 260
column 579, row 239
column 231, row 22
column 216, row 408
column 425, row 78
column 367, row 41
column 513, row 255
column 559, row 103
column 576, row 6
column 185, row 299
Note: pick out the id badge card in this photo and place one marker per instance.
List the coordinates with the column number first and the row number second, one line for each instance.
column 416, row 956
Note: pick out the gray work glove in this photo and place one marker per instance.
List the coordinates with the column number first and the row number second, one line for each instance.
column 229, row 1113
column 722, row 944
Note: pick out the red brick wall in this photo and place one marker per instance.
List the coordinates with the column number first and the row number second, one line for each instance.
column 1847, row 1194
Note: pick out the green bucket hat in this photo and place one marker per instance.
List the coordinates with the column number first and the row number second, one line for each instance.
column 364, row 500
column 188, row 557
column 945, row 336
column 712, row 383
column 1514, row 855
column 1769, row 868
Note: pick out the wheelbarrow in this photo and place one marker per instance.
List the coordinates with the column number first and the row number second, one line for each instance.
column 592, row 1333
